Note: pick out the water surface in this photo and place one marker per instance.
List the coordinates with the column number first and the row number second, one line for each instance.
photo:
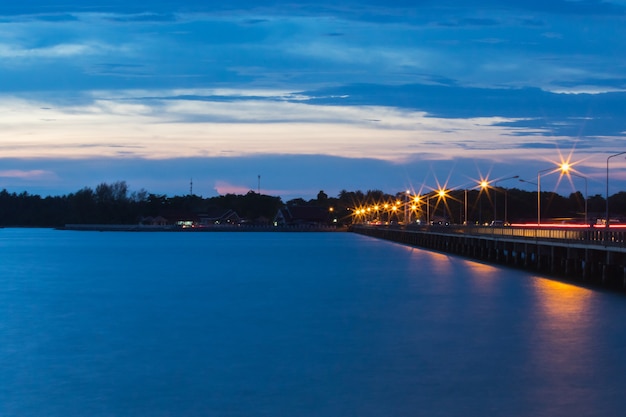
column 293, row 324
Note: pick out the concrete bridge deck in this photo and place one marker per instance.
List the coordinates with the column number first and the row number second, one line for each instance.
column 592, row 255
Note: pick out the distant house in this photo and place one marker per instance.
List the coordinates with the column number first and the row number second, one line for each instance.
column 301, row 216
column 182, row 218
column 219, row 216
column 153, row 221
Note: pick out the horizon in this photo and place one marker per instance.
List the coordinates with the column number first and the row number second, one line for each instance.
column 243, row 192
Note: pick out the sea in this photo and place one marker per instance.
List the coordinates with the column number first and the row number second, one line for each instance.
column 279, row 324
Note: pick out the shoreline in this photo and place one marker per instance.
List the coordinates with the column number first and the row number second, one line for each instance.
column 215, row 228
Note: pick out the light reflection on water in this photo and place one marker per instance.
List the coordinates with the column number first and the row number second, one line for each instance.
column 563, row 342
column 271, row 324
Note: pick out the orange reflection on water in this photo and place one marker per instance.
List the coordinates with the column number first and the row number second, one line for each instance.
column 482, row 276
column 563, row 343
column 480, row 269
column 563, row 304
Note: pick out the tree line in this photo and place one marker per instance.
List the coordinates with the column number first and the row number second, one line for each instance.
column 115, row 204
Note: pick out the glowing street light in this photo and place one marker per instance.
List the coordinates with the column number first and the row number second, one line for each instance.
column 566, row 169
column 484, row 186
column 441, row 194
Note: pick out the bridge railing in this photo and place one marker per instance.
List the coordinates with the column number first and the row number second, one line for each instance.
column 588, row 236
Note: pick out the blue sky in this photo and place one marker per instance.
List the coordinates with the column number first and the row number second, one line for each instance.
column 310, row 95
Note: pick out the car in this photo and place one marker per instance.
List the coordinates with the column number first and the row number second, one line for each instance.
column 497, row 223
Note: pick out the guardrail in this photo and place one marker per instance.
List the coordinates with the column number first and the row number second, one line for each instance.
column 586, row 236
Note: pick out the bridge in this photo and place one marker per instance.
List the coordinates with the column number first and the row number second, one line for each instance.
column 591, row 255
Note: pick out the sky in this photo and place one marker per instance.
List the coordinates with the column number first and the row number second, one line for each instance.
column 290, row 98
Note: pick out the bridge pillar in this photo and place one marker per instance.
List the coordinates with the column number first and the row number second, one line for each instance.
column 605, row 273
column 527, row 255
column 586, row 264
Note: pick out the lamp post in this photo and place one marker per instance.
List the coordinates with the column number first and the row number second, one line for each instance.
column 441, row 194
column 495, row 198
column 539, row 194
column 606, row 219
column 415, row 206
column 565, row 169
column 586, row 197
column 528, row 182
column 484, row 185
column 407, row 218
column 481, row 184
column 465, row 207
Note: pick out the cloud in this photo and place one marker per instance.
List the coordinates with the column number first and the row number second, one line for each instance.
column 34, row 174
column 224, row 187
column 56, row 51
column 186, row 46
column 157, row 128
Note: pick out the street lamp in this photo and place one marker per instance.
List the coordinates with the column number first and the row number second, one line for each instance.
column 495, row 198
column 441, row 194
column 565, row 168
column 586, row 195
column 607, row 221
column 406, row 207
column 533, row 183
column 484, row 185
column 415, row 206
column 539, row 192
column 465, row 208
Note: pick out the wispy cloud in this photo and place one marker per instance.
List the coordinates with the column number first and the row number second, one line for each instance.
column 30, row 174
column 176, row 128
column 56, row 51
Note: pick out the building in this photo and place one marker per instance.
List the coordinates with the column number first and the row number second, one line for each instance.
column 301, row 216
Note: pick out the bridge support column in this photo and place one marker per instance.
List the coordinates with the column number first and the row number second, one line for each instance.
column 587, row 265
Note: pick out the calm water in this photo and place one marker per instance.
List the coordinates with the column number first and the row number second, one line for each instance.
column 293, row 324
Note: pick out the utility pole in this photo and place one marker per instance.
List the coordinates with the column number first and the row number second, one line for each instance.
column 191, row 186
column 259, row 186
